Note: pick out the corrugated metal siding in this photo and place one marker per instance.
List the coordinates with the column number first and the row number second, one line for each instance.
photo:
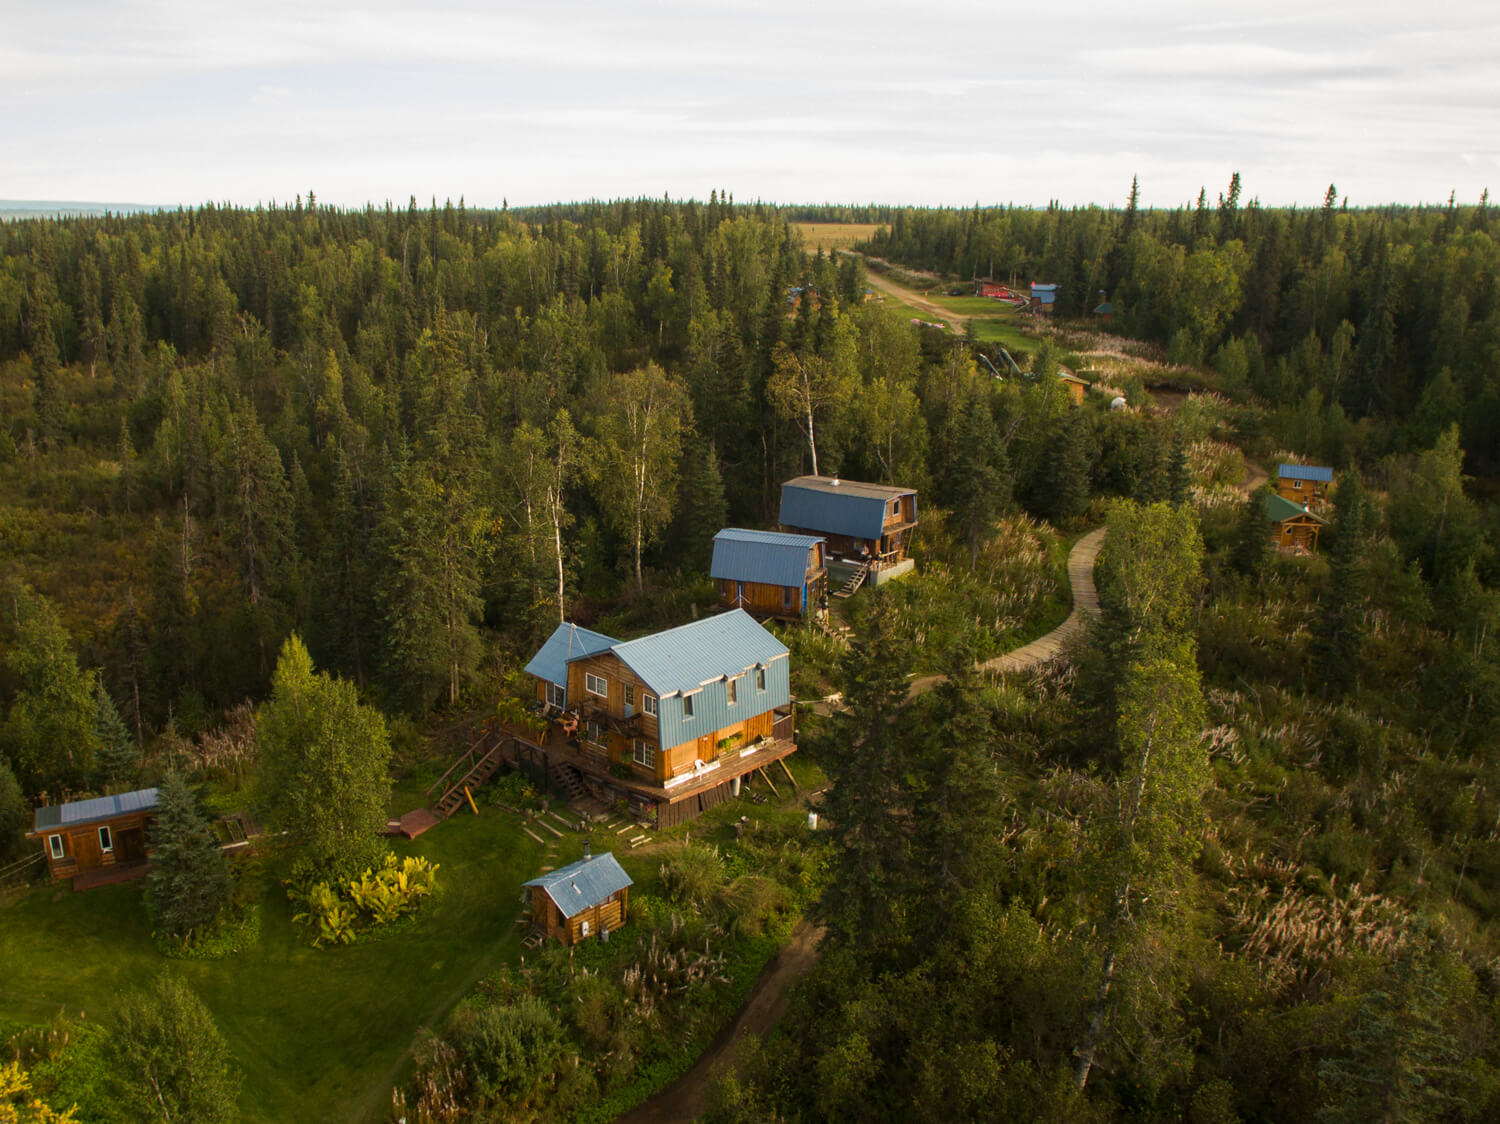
column 834, row 513
column 567, row 642
column 711, row 710
column 1314, row 472
column 99, row 808
column 584, row 884
column 682, row 658
column 770, row 557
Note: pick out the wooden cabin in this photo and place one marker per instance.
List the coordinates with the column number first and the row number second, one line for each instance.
column 1043, row 298
column 1306, row 485
column 865, row 525
column 89, row 836
column 1075, row 386
column 663, row 720
column 585, row 899
column 770, row 573
column 1293, row 527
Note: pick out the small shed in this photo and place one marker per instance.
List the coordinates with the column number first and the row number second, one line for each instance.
column 1304, row 484
column 1293, row 527
column 89, row 835
column 1075, row 386
column 580, row 900
column 769, row 573
column 1043, row 298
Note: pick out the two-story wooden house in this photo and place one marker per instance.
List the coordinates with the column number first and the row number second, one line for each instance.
column 868, row 527
column 103, row 839
column 770, row 573
column 671, row 721
column 1304, row 484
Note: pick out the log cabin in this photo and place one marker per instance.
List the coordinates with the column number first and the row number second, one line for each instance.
column 1304, row 484
column 87, row 838
column 669, row 723
column 867, row 527
column 770, row 573
column 582, row 900
column 1293, row 527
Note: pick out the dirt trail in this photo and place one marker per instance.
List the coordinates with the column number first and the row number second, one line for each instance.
column 955, row 320
column 687, row 1097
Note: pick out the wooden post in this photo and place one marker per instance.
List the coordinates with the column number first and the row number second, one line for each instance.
column 767, row 779
column 782, row 762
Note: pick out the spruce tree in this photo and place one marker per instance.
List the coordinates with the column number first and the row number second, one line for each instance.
column 190, row 882
column 119, row 757
column 1338, row 630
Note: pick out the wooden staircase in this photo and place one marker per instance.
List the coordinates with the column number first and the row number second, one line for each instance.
column 566, row 782
column 856, row 580
column 471, row 770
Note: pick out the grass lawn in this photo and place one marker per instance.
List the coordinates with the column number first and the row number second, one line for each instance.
column 321, row 1034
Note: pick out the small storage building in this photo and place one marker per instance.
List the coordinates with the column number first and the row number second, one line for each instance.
column 89, row 835
column 770, row 573
column 581, row 900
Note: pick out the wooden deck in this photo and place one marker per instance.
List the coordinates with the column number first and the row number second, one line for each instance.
column 110, row 875
column 412, row 824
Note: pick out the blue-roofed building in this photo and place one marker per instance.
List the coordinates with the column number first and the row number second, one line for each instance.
column 1305, row 484
column 550, row 664
column 868, row 527
column 86, row 836
column 667, row 719
column 770, row 573
column 1043, row 298
column 581, row 900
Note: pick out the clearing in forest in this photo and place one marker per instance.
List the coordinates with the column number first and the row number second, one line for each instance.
column 831, row 237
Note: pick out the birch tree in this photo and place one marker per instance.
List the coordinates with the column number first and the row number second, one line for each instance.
column 640, row 449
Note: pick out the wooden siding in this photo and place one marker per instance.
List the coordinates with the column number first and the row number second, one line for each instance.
column 1313, row 494
column 1298, row 531
column 760, row 599
column 547, row 919
column 81, row 850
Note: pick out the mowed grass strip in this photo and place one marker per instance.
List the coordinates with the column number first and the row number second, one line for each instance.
column 832, row 237
column 321, row 1034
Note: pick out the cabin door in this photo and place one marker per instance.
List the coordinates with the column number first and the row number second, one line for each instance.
column 708, row 748
column 131, row 844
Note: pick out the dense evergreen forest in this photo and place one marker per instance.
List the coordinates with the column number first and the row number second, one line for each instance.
column 1239, row 859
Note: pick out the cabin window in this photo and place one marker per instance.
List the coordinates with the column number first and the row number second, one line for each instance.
column 687, row 706
column 55, row 844
column 732, row 690
column 648, row 704
column 896, row 507
column 629, row 694
column 760, row 679
column 596, row 731
column 596, row 684
column 1296, row 485
column 583, row 928
column 556, row 696
column 644, row 753
column 106, row 842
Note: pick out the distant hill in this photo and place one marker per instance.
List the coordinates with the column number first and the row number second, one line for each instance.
column 53, row 209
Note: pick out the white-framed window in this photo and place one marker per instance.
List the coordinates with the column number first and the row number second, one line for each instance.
column 596, row 684
column 630, row 694
column 1296, row 485
column 687, row 706
column 106, row 841
column 556, row 696
column 583, row 928
column 643, row 753
column 55, row 845
column 648, row 704
column 760, row 679
column 732, row 690
column 595, row 731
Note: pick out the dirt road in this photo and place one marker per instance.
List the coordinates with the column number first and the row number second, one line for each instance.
column 687, row 1097
column 954, row 320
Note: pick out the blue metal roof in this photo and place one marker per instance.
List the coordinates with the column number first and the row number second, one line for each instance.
column 99, row 808
column 837, row 507
column 584, row 884
column 771, row 557
column 1305, row 472
column 686, row 657
column 567, row 642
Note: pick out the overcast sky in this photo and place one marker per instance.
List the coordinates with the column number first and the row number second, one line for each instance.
column 1010, row 101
